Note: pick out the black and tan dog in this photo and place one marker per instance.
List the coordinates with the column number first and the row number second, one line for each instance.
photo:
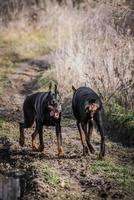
column 43, row 108
column 87, row 108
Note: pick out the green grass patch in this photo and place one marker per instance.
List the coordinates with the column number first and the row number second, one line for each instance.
column 120, row 124
column 123, row 175
column 51, row 175
column 3, row 130
column 44, row 80
column 7, row 129
column 119, row 114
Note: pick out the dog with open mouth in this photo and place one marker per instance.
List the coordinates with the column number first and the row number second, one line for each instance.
column 43, row 108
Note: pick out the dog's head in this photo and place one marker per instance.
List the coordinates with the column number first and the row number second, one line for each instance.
column 91, row 106
column 54, row 102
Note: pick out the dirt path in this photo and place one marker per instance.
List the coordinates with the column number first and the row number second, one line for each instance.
column 44, row 175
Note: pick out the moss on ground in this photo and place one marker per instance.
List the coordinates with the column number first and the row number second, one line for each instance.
column 7, row 129
column 43, row 81
column 51, row 175
column 118, row 174
column 120, row 124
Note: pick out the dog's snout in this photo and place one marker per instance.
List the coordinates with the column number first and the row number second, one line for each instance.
column 53, row 101
column 55, row 104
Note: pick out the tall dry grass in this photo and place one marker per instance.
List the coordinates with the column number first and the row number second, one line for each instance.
column 85, row 47
column 90, row 52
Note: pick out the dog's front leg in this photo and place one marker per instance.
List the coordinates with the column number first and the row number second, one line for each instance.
column 40, row 131
column 59, row 140
column 99, row 121
column 90, row 136
column 83, row 139
column 33, row 139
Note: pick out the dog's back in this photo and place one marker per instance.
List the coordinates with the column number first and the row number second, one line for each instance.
column 33, row 106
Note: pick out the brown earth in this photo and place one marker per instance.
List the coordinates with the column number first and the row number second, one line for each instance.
column 44, row 175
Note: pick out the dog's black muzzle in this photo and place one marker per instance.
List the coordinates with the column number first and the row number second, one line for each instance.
column 54, row 111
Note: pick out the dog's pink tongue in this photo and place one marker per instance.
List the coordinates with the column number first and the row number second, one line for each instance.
column 54, row 114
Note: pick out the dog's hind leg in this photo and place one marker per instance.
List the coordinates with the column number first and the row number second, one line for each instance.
column 29, row 116
column 40, row 131
column 88, row 135
column 83, row 139
column 33, row 138
column 23, row 125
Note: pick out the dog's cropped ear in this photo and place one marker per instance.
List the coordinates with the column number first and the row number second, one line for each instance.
column 55, row 90
column 97, row 104
column 50, row 87
column 86, row 106
column 73, row 88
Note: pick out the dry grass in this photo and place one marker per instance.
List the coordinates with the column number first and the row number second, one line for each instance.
column 95, row 54
column 85, row 45
column 27, row 42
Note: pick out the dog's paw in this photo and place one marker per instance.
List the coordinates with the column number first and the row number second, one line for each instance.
column 61, row 152
column 91, row 148
column 40, row 148
column 21, row 142
column 34, row 148
column 92, row 151
column 85, row 150
column 61, row 155
column 101, row 156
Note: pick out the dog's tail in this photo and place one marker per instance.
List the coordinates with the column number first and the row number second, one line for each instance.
column 73, row 88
